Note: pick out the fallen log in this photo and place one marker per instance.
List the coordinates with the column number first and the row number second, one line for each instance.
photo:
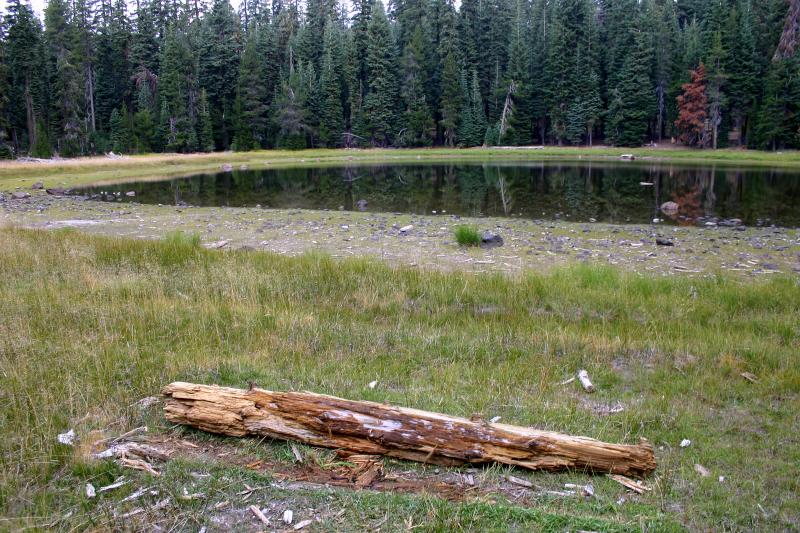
column 370, row 428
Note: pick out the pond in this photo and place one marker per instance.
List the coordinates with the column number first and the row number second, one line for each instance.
column 619, row 192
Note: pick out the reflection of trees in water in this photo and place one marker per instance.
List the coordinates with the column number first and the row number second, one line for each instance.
column 496, row 178
column 602, row 191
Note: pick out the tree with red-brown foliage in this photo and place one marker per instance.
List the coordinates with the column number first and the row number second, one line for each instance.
column 692, row 109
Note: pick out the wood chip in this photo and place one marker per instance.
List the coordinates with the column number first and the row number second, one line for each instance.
column 700, row 469
column 519, row 481
column 752, row 378
column 301, row 525
column 298, row 457
column 586, row 383
column 258, row 514
column 635, row 485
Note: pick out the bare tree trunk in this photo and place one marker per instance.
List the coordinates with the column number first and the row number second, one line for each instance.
column 30, row 114
column 380, row 429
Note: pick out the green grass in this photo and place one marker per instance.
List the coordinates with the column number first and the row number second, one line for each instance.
column 94, row 170
column 467, row 235
column 90, row 325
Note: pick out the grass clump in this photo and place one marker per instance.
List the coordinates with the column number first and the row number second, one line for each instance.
column 467, row 235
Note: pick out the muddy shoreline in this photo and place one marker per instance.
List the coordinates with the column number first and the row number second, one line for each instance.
column 529, row 244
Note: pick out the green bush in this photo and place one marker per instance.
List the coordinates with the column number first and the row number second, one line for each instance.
column 467, row 235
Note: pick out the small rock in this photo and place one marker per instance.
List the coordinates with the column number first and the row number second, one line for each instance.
column 345, row 227
column 37, row 186
column 373, row 384
column 491, row 240
column 669, row 208
column 20, row 195
column 227, row 167
column 406, row 229
column 130, row 194
column 664, row 242
column 288, row 516
column 56, row 191
column 685, row 443
column 90, row 492
column 362, row 205
column 67, row 438
column 703, row 471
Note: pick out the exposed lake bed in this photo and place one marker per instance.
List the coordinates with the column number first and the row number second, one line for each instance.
column 529, row 244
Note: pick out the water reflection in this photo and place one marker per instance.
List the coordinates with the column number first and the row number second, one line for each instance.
column 629, row 192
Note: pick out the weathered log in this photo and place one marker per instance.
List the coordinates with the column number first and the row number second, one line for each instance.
column 376, row 429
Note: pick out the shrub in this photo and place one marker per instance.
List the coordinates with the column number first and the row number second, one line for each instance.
column 467, row 235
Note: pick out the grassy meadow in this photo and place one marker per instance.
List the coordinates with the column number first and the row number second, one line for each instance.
column 90, row 325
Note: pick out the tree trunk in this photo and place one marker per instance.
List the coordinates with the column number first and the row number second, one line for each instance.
column 379, row 429
column 30, row 114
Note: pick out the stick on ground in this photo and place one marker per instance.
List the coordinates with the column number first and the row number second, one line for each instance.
column 377, row 429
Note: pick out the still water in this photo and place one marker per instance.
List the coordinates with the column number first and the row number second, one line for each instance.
column 603, row 192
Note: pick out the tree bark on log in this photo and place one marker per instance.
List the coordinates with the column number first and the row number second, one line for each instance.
column 378, row 429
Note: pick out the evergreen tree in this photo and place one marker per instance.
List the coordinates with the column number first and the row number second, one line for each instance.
column 25, row 65
column 632, row 101
column 176, row 88
column 418, row 122
column 218, row 62
column 63, row 82
column 253, row 109
column 120, row 132
column 205, row 134
column 450, row 105
column 779, row 115
column 331, row 83
column 380, row 103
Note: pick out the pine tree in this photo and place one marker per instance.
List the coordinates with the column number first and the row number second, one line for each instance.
column 472, row 125
column 218, row 67
column 331, row 82
column 253, row 109
column 779, row 114
column 380, row 103
column 120, row 136
column 743, row 69
column 450, row 105
column 716, row 80
column 693, row 109
column 113, row 71
column 290, row 113
column 64, row 80
column 205, row 134
column 632, row 100
column 418, row 122
column 176, row 86
column 25, row 66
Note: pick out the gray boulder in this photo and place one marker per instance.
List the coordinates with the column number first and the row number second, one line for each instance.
column 491, row 240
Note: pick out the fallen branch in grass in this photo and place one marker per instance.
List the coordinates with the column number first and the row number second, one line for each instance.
column 376, row 429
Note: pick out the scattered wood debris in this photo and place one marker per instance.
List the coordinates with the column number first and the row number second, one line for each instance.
column 635, row 485
column 258, row 514
column 519, row 481
column 117, row 484
column 752, row 378
column 586, row 383
column 700, row 469
column 371, row 428
column 298, row 457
